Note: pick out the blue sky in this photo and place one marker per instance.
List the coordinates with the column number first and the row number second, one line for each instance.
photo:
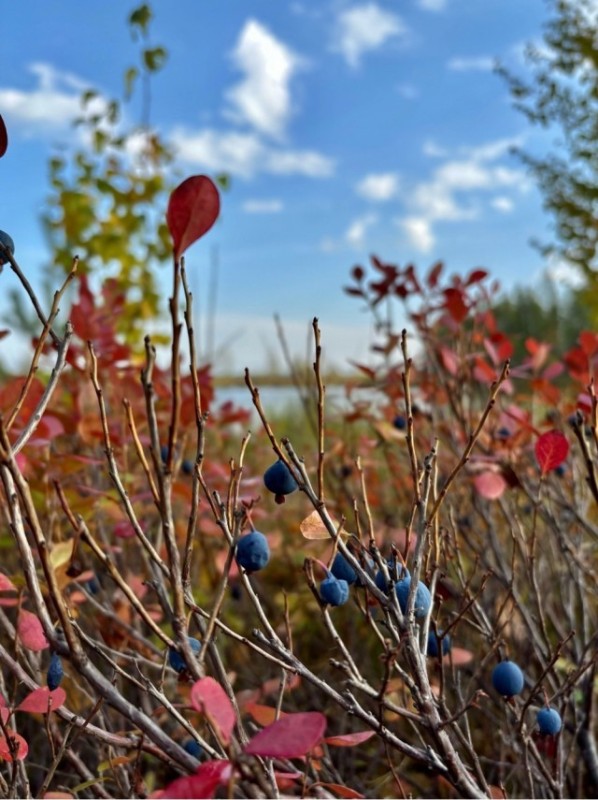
column 347, row 126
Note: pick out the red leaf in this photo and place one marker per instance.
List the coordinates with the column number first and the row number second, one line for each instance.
column 434, row 274
column 30, row 631
column 455, row 304
column 291, row 737
column 551, row 450
column 42, row 700
column 3, row 137
column 476, row 276
column 192, row 210
column 263, row 715
column 450, row 360
column 20, row 743
column 349, row 739
column 202, row 784
column 459, row 656
column 208, row 697
column 490, row 485
column 6, row 585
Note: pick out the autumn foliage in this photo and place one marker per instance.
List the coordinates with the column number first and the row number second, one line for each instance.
column 126, row 487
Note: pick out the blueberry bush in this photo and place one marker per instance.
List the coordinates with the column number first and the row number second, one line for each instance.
column 417, row 619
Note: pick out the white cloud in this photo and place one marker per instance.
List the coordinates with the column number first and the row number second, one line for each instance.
column 364, row 28
column 246, row 154
column 433, row 150
column 356, row 233
column 273, row 206
column 378, row 187
column 419, row 233
column 503, row 204
column 52, row 105
column 262, row 99
column 469, row 64
column 452, row 193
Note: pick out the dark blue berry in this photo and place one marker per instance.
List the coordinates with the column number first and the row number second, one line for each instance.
column 164, row 453
column 503, row 433
column 333, row 591
column 279, row 480
column 342, row 570
column 176, row 660
column 432, row 649
column 93, row 585
column 400, row 422
column 8, row 243
column 393, row 569
column 507, row 678
column 193, row 747
column 55, row 672
column 187, row 466
column 423, row 598
column 549, row 721
column 253, row 551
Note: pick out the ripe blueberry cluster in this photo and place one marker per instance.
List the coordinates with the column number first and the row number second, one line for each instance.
column 253, row 551
column 423, row 598
column 279, row 481
column 176, row 660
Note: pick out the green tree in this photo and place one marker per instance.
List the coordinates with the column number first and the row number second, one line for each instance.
column 561, row 95
column 108, row 194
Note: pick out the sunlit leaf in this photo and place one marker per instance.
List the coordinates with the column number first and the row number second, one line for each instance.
column 30, row 631
column 293, row 736
column 551, row 450
column 202, row 784
column 490, row 485
column 349, row 739
column 192, row 210
column 22, row 748
column 208, row 697
column 42, row 700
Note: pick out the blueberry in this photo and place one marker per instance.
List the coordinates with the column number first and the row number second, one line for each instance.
column 549, row 721
column 393, row 569
column 507, row 678
column 400, row 422
column 279, row 480
column 333, row 591
column 560, row 470
column 176, row 660
column 503, row 433
column 193, row 747
column 423, row 598
column 187, row 466
column 164, row 453
column 369, row 567
column 93, row 585
column 434, row 641
column 342, row 570
column 55, row 672
column 7, row 241
column 253, row 552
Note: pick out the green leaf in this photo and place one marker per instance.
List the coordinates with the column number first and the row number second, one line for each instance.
column 140, row 18
column 131, row 76
column 154, row 58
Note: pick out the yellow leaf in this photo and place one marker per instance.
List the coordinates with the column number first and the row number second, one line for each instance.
column 312, row 527
column 61, row 553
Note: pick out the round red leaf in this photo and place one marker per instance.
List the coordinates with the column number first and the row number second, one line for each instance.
column 192, row 210
column 490, row 485
column 208, row 696
column 552, row 448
